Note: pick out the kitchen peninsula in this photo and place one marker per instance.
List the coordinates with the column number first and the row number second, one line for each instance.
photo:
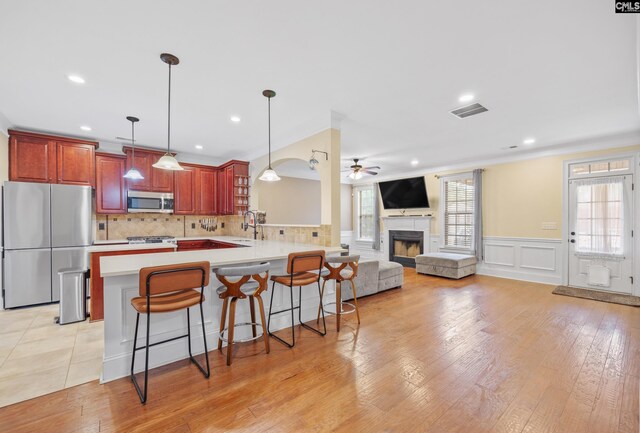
column 120, row 274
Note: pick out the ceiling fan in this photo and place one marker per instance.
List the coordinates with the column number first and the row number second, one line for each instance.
column 357, row 170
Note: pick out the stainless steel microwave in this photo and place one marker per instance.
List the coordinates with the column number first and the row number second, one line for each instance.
column 150, row 202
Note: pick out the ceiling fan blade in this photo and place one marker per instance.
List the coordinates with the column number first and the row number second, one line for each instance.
column 373, row 167
column 368, row 172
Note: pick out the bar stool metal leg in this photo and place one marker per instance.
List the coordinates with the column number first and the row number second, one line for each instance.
column 338, row 304
column 321, row 297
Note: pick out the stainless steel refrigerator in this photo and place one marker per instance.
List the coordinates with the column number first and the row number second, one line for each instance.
column 46, row 227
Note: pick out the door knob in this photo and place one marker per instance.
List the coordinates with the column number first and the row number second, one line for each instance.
column 573, row 233
column 573, row 241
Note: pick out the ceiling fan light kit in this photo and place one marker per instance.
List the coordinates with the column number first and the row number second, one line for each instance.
column 357, row 170
column 269, row 174
column 168, row 161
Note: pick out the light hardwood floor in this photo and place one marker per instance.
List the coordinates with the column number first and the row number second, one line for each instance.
column 37, row 356
column 478, row 355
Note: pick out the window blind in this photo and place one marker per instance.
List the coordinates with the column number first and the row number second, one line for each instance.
column 458, row 213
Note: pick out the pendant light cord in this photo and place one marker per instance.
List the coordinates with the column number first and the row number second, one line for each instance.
column 269, row 116
column 169, row 115
column 133, row 146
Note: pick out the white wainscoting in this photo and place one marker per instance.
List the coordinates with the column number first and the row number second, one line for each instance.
column 528, row 259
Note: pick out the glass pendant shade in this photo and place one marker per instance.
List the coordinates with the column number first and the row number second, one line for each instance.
column 355, row 175
column 133, row 174
column 168, row 162
column 269, row 175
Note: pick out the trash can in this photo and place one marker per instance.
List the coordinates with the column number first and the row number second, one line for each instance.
column 73, row 295
column 344, row 247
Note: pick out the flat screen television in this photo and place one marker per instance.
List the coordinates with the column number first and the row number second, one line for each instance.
column 404, row 193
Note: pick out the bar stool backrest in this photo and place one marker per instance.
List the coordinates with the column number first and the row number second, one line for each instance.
column 304, row 262
column 342, row 262
column 173, row 278
column 244, row 273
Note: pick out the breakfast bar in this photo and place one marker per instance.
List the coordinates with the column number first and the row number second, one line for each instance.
column 120, row 274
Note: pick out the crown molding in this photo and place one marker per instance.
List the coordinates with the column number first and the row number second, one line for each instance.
column 629, row 138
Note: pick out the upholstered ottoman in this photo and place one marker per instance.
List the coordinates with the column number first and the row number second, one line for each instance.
column 390, row 275
column 373, row 277
column 447, row 265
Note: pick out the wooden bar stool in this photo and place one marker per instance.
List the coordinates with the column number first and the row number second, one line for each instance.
column 339, row 274
column 302, row 269
column 164, row 289
column 251, row 284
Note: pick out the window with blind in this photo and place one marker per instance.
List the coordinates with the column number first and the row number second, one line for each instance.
column 457, row 211
column 364, row 208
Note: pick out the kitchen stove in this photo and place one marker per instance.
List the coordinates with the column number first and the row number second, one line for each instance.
column 152, row 240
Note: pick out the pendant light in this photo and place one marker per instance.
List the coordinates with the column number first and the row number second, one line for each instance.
column 133, row 173
column 167, row 161
column 269, row 174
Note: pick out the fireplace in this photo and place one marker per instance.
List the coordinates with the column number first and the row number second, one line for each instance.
column 404, row 246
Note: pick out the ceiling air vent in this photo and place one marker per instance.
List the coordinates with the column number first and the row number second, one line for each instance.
column 468, row 110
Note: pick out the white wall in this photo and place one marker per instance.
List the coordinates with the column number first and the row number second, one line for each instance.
column 291, row 201
column 346, row 207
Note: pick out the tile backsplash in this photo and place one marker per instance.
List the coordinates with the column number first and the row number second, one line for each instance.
column 115, row 227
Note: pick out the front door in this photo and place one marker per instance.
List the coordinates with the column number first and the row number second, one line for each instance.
column 600, row 233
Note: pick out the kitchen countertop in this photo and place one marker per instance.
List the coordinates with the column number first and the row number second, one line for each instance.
column 255, row 251
column 123, row 244
column 99, row 248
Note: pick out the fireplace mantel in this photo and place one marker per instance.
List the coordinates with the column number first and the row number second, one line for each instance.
column 408, row 223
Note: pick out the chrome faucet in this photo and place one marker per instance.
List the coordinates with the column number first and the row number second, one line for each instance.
column 246, row 225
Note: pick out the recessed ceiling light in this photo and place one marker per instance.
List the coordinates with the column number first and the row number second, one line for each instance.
column 85, row 128
column 467, row 97
column 76, row 79
column 529, row 141
column 235, row 119
column 414, row 162
column 199, row 146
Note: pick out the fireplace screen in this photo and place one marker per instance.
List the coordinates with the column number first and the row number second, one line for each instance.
column 404, row 246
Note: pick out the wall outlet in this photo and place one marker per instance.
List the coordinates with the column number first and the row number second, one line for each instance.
column 550, row 225
column 221, row 225
column 281, row 232
column 314, row 234
column 100, row 226
column 193, row 225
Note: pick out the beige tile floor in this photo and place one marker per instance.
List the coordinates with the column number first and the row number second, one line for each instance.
column 38, row 356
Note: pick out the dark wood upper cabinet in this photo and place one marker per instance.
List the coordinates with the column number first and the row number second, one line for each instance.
column 142, row 163
column 233, row 188
column 76, row 163
column 207, row 191
column 155, row 179
column 111, row 194
column 51, row 159
column 185, row 191
column 161, row 180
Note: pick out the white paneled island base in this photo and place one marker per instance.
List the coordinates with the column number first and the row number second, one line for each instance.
column 120, row 275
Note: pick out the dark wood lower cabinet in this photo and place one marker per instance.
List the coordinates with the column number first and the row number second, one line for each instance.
column 204, row 244
column 96, row 303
